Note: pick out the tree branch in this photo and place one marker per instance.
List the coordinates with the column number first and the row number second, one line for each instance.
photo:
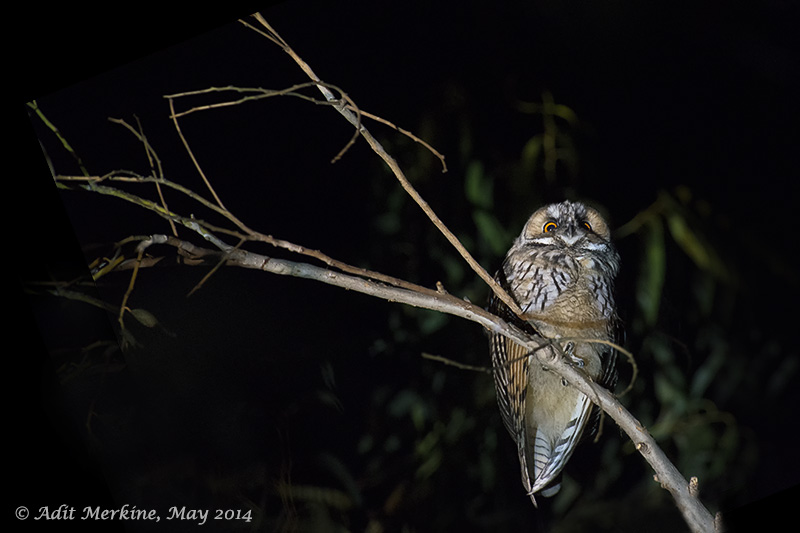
column 685, row 493
column 346, row 109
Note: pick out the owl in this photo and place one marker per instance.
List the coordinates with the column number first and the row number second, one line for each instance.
column 560, row 271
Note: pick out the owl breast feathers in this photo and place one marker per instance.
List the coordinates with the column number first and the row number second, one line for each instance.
column 560, row 271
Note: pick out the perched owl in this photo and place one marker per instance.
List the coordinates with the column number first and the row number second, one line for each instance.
column 560, row 271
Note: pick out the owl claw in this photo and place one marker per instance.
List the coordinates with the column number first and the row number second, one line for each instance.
column 577, row 360
column 568, row 349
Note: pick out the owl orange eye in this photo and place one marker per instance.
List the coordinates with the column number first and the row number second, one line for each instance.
column 587, row 225
column 549, row 226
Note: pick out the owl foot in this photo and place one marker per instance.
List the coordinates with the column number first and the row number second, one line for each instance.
column 568, row 351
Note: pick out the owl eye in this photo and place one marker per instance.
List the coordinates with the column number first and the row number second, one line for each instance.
column 549, row 226
column 587, row 225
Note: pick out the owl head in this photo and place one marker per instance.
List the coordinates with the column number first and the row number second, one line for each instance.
column 569, row 225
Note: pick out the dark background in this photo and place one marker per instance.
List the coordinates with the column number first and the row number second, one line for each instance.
column 258, row 382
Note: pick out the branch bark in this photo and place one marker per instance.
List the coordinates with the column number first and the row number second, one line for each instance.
column 684, row 493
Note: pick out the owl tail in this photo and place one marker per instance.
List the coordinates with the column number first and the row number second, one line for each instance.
column 550, row 455
column 542, row 458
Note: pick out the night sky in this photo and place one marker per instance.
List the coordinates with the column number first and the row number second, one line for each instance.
column 695, row 94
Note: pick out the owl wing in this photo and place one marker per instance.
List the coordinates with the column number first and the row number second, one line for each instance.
column 510, row 370
column 616, row 333
column 609, row 377
column 510, row 366
column 510, row 362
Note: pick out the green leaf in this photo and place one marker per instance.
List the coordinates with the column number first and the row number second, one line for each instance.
column 688, row 240
column 704, row 375
column 651, row 278
column 478, row 187
column 388, row 223
column 431, row 321
column 430, row 465
column 492, row 231
column 565, row 112
column 146, row 318
column 530, row 154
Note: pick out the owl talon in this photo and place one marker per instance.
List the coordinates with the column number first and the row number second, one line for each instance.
column 568, row 351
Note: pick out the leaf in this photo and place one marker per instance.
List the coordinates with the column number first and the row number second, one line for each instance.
column 694, row 246
column 651, row 278
column 688, row 240
column 492, row 231
column 454, row 268
column 565, row 112
column 704, row 375
column 478, row 187
column 430, row 464
column 409, row 403
column 530, row 154
column 431, row 321
column 388, row 223
column 670, row 395
column 146, row 318
column 459, row 424
column 79, row 296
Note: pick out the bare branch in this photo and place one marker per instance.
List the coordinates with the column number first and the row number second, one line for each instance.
column 348, row 114
column 191, row 154
column 462, row 366
column 245, row 233
column 408, row 134
column 151, row 157
column 410, row 294
column 684, row 493
column 255, row 93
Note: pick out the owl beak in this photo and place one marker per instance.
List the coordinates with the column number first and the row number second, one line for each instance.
column 570, row 236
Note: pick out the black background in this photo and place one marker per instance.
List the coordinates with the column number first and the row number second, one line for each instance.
column 686, row 93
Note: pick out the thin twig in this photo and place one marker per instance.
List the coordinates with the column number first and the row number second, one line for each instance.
column 258, row 94
column 396, row 170
column 462, row 366
column 408, row 134
column 151, row 157
column 214, row 268
column 191, row 154
column 124, row 305
column 246, row 232
column 35, row 108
